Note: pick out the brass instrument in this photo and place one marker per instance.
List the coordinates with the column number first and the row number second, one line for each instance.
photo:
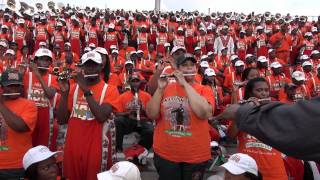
column 63, row 75
column 39, row 6
column 216, row 96
column 136, row 102
column 51, row 5
column 172, row 75
column 126, row 85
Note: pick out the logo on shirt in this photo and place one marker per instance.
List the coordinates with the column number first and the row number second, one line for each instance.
column 81, row 110
column 176, row 112
column 37, row 95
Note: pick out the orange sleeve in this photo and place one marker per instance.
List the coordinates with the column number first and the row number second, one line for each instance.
column 121, row 102
column 111, row 97
column 114, row 80
column 273, row 38
column 207, row 93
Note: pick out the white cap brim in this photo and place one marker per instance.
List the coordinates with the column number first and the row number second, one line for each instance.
column 233, row 169
column 43, row 156
column 107, row 176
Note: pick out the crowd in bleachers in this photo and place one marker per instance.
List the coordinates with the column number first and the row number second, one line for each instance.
column 79, row 80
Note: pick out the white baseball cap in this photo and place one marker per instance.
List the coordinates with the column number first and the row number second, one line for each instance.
column 123, row 170
column 115, row 51
column 234, row 57
column 4, row 27
column 314, row 29
column 197, row 48
column 306, row 63
column 209, row 72
column 298, row 75
column 113, row 47
column 111, row 26
column 176, row 48
column 262, row 59
column 92, row 45
column 68, row 44
column 315, row 52
column 101, row 50
column 204, row 57
column 36, row 154
column 271, row 50
column 91, row 55
column 304, row 57
column 248, row 56
column 275, row 64
column 180, row 29
column 59, row 24
column 241, row 163
column 42, row 43
column 167, row 45
column 214, row 143
column 132, row 52
column 223, row 48
column 308, row 34
column 10, row 51
column 128, row 62
column 239, row 63
column 43, row 52
column 204, row 64
column 139, row 51
column 3, row 43
column 143, row 26
column 87, row 49
column 21, row 21
column 210, row 53
column 259, row 27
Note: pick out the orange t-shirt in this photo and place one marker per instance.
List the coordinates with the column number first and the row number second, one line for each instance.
column 284, row 39
column 13, row 145
column 126, row 100
column 268, row 159
column 184, row 140
column 81, row 109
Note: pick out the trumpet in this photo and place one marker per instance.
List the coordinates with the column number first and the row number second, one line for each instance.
column 64, row 75
column 136, row 101
column 172, row 75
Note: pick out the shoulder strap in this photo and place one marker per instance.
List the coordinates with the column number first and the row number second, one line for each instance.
column 75, row 96
column 103, row 93
column 30, row 85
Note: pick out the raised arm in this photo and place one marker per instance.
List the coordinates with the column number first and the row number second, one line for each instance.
column 292, row 129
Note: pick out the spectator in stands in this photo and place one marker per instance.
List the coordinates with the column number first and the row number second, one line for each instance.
column 132, row 116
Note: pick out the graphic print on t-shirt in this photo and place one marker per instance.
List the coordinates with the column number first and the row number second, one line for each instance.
column 37, row 95
column 81, row 110
column 176, row 112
